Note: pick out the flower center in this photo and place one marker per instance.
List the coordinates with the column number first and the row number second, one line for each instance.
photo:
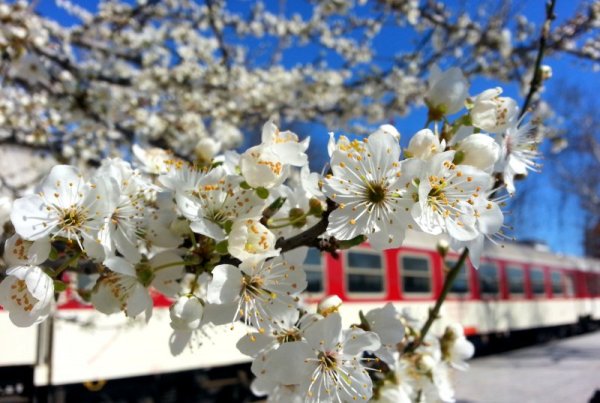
column 376, row 192
column 145, row 274
column 327, row 360
column 253, row 284
column 436, row 194
column 289, row 336
column 72, row 218
column 219, row 217
column 114, row 218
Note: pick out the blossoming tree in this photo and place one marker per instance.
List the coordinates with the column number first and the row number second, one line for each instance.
column 178, row 73
column 224, row 235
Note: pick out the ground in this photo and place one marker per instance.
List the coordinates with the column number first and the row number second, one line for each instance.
column 567, row 370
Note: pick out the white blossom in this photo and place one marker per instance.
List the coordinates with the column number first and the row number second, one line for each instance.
column 479, row 150
column 18, row 251
column 368, row 185
column 445, row 194
column 263, row 291
column 125, row 287
column 327, row 365
column 386, row 323
column 125, row 209
column 212, row 201
column 153, row 160
column 489, row 220
column 518, row 153
column 493, row 113
column 27, row 294
column 261, row 167
column 5, row 207
column 424, row 144
column 456, row 348
column 251, row 241
column 65, row 206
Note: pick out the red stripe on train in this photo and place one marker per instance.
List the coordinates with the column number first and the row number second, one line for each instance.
column 470, row 331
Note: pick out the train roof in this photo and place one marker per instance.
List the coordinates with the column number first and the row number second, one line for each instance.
column 510, row 250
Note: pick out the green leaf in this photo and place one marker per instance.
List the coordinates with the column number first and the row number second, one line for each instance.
column 192, row 259
column 262, row 192
column 352, row 242
column 222, row 247
column 53, row 254
column 227, row 226
column 277, row 204
column 459, row 157
column 145, row 276
column 364, row 323
column 59, row 286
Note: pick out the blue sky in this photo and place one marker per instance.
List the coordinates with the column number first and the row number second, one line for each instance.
column 545, row 214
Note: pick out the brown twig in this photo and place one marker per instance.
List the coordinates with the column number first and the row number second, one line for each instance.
column 536, row 80
column 434, row 313
column 310, row 237
column 218, row 32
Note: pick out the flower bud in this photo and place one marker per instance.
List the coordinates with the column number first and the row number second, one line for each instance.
column 479, row 150
column 423, row 145
column 329, row 305
column 443, row 247
column 447, row 93
column 297, row 217
column 546, row 72
column 206, row 149
column 315, row 207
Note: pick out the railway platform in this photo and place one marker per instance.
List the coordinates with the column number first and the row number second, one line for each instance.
column 566, row 370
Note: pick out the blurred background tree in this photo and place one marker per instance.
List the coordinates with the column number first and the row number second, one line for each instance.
column 576, row 168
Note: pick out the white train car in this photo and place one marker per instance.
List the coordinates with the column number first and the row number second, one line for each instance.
column 518, row 288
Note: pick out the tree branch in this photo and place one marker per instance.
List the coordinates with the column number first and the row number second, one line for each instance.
column 536, row 80
column 310, row 236
column 218, row 33
column 434, row 313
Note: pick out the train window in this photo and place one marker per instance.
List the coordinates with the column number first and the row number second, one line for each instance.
column 593, row 284
column 557, row 283
column 516, row 280
column 461, row 282
column 537, row 281
column 86, row 281
column 365, row 272
column 488, row 279
column 570, row 284
column 416, row 274
column 313, row 266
